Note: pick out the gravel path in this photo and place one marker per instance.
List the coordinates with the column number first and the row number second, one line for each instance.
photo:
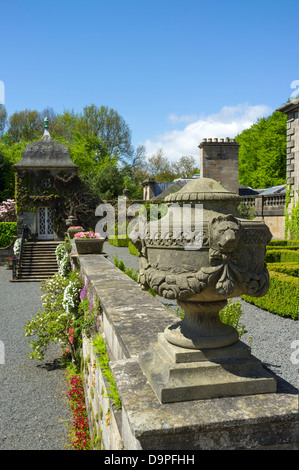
column 269, row 335
column 34, row 409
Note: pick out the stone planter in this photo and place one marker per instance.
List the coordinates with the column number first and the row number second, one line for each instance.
column 87, row 246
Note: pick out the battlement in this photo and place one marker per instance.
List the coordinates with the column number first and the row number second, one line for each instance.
column 227, row 140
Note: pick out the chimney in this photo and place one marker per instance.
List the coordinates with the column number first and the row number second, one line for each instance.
column 219, row 160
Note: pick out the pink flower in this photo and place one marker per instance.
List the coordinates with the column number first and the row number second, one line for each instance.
column 89, row 234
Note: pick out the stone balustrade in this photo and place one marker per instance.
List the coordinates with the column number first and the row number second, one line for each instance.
column 130, row 321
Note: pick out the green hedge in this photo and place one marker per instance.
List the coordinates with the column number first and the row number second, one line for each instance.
column 288, row 247
column 282, row 297
column 291, row 269
column 132, row 249
column 282, row 256
column 283, row 243
column 8, row 230
column 119, row 241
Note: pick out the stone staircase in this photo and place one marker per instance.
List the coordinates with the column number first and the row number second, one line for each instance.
column 38, row 261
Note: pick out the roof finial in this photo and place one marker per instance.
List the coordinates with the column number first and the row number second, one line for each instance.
column 46, row 122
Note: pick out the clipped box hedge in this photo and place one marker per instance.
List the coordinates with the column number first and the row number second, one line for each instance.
column 286, row 247
column 119, row 241
column 283, row 243
column 291, row 269
column 282, row 297
column 8, row 230
column 132, row 249
column 282, row 256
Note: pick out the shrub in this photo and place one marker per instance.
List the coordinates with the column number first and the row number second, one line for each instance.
column 132, row 249
column 118, row 241
column 282, row 256
column 285, row 247
column 291, row 269
column 282, row 297
column 231, row 315
column 8, row 211
column 63, row 259
column 8, row 230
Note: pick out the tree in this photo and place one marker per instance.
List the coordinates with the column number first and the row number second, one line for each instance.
column 3, row 118
column 262, row 152
column 160, row 168
column 109, row 126
column 185, row 167
column 25, row 125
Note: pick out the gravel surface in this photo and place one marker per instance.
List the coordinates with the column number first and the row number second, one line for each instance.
column 269, row 335
column 34, row 410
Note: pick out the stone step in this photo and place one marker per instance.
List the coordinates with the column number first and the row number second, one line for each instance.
column 40, row 270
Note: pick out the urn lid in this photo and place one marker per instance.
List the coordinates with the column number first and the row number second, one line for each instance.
column 46, row 153
column 201, row 190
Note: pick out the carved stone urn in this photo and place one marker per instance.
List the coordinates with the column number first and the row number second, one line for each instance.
column 201, row 253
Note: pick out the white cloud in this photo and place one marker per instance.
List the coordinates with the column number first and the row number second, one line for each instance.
column 184, row 118
column 230, row 121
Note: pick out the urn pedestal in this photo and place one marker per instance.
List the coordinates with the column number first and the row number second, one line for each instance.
column 201, row 254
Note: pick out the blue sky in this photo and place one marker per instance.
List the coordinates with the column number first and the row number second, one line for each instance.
column 175, row 70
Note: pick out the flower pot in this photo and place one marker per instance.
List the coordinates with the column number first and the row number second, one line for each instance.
column 87, row 246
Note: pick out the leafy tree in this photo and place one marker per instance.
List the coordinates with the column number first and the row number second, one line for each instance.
column 3, row 118
column 6, row 178
column 160, row 168
column 109, row 126
column 262, row 152
column 185, row 167
column 25, row 125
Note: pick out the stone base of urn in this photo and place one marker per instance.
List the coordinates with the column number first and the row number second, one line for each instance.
column 179, row 374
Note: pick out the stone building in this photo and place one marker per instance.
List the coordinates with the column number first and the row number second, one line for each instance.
column 292, row 111
column 42, row 178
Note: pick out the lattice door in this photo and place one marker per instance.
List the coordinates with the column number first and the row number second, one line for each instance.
column 45, row 224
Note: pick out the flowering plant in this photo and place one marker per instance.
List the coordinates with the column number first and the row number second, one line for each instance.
column 8, row 211
column 73, row 227
column 8, row 262
column 80, row 430
column 90, row 234
column 17, row 246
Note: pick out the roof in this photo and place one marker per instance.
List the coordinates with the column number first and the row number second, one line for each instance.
column 46, row 153
column 289, row 107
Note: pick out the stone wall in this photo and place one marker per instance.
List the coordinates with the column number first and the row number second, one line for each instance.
column 271, row 208
column 292, row 111
column 130, row 321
